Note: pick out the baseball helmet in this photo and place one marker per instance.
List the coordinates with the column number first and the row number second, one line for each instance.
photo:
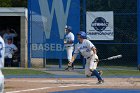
column 82, row 34
column 9, row 38
column 69, row 28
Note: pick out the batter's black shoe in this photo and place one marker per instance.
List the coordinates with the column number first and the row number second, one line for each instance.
column 66, row 68
column 100, row 82
column 69, row 68
column 88, row 76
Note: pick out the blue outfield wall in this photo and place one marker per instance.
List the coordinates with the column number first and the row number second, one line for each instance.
column 48, row 19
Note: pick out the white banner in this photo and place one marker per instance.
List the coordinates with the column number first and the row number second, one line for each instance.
column 100, row 25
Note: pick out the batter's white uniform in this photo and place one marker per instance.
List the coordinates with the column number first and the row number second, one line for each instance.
column 2, row 51
column 85, row 48
column 69, row 47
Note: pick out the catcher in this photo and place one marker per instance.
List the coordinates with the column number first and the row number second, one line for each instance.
column 88, row 50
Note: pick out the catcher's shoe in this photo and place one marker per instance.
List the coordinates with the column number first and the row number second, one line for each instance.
column 100, row 82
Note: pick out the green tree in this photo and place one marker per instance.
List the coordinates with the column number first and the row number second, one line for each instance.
column 5, row 3
column 19, row 3
column 13, row 3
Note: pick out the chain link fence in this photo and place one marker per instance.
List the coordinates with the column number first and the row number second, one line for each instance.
column 125, row 31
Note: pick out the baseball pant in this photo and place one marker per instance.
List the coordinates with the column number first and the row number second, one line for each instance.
column 69, row 50
column 90, row 65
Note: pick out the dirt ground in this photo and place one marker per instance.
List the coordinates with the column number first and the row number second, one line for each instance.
column 45, row 85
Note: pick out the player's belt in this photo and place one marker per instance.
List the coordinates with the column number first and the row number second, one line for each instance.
column 94, row 60
column 70, row 46
column 89, row 57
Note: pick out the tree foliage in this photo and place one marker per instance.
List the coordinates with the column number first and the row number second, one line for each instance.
column 5, row 3
column 13, row 3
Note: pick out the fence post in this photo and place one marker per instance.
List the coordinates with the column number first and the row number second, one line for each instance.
column 60, row 63
column 29, row 33
column 84, row 26
column 84, row 15
column 138, row 26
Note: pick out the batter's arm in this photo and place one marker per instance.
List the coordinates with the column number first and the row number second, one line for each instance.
column 69, row 42
column 94, row 50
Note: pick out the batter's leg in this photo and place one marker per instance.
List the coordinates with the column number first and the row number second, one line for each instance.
column 92, row 67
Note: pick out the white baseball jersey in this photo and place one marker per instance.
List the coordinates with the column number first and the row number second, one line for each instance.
column 2, row 52
column 84, row 48
column 69, row 47
column 9, row 50
column 69, row 37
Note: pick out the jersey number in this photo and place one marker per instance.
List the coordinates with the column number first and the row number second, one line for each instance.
column 87, row 50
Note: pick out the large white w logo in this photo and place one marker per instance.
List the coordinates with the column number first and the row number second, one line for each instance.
column 47, row 15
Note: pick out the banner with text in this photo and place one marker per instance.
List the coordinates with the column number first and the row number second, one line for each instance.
column 100, row 25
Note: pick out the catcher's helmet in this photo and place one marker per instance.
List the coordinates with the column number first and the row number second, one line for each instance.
column 82, row 34
column 69, row 28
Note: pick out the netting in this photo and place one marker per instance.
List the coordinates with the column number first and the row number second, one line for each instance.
column 125, row 30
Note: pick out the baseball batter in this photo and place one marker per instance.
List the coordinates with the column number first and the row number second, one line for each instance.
column 69, row 43
column 2, row 51
column 88, row 50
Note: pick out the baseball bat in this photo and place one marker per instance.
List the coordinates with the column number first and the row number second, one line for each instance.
column 111, row 58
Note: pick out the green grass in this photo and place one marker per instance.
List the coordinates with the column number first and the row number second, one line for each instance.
column 121, row 73
column 23, row 72
column 118, row 71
